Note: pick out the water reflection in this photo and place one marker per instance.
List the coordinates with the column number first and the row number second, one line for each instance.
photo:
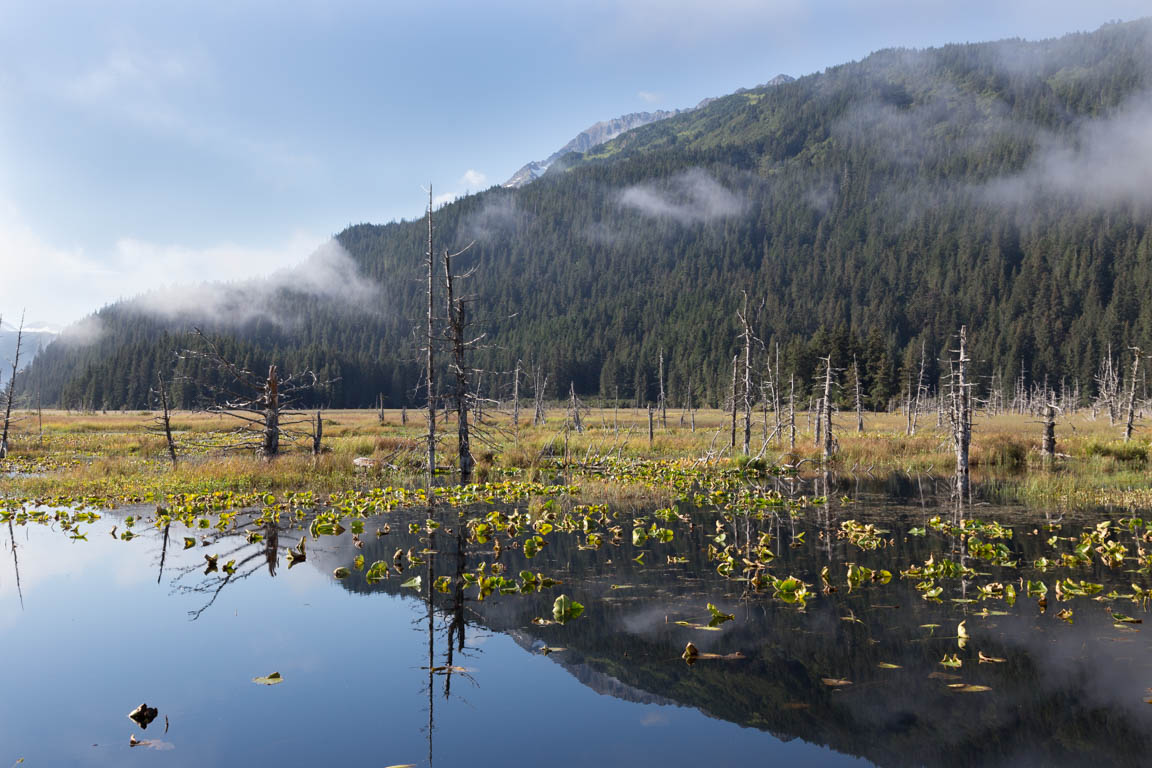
column 1060, row 693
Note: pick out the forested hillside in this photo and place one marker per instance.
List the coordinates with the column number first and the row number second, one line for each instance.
column 866, row 211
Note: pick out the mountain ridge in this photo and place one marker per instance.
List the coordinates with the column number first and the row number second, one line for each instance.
column 867, row 210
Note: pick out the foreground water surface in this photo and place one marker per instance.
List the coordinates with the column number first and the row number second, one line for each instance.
column 402, row 670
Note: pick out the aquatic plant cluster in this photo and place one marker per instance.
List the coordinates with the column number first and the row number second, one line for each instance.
column 748, row 522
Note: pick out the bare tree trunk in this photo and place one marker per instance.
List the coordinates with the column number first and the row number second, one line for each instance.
column 747, row 390
column 919, row 388
column 1048, row 443
column 318, row 435
column 963, row 418
column 1132, row 395
column 776, row 397
column 271, row 402
column 691, row 412
column 516, row 403
column 859, row 409
column 430, row 338
column 663, row 401
column 792, row 412
column 10, row 395
column 735, row 360
column 829, row 445
column 457, row 321
column 651, row 434
column 165, row 416
column 575, row 408
column 818, row 432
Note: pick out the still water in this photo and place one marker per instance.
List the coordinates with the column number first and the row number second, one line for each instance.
column 383, row 674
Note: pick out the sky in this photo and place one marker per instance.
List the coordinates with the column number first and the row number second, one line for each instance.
column 151, row 144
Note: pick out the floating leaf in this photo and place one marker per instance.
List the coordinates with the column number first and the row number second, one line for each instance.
column 565, row 609
column 272, row 679
column 951, row 660
column 718, row 617
column 189, row 542
column 694, row 625
column 835, row 682
column 886, row 665
column 989, row 659
column 412, row 583
column 961, row 635
column 962, row 688
column 341, row 573
column 378, row 571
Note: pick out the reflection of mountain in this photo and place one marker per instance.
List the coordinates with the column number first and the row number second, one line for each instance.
column 1067, row 694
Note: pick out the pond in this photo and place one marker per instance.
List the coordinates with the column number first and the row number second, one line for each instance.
column 1027, row 648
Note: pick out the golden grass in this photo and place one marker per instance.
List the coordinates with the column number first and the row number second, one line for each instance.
column 117, row 450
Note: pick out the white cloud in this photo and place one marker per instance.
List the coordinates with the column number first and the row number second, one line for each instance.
column 473, row 180
column 124, row 73
column 690, row 197
column 60, row 285
column 1107, row 162
column 650, row 97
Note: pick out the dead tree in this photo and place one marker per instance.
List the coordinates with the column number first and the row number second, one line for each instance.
column 430, row 338
column 574, row 408
column 457, row 325
column 859, row 408
column 735, row 360
column 792, row 412
column 265, row 406
column 539, row 390
column 318, row 435
column 663, row 401
column 962, row 416
column 1108, row 386
column 10, row 394
column 1048, row 442
column 826, row 411
column 746, row 336
column 919, row 389
column 516, row 403
column 163, row 423
column 1129, row 419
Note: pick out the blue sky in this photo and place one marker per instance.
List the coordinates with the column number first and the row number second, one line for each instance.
column 152, row 143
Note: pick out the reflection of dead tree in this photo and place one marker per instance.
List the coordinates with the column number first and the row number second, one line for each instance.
column 264, row 405
column 215, row 581
column 10, row 397
column 163, row 552
column 15, row 563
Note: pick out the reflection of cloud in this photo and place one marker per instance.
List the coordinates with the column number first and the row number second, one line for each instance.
column 654, row 718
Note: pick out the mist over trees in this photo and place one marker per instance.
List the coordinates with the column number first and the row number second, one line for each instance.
column 870, row 210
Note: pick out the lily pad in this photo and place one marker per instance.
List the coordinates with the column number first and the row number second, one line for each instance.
column 272, row 679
